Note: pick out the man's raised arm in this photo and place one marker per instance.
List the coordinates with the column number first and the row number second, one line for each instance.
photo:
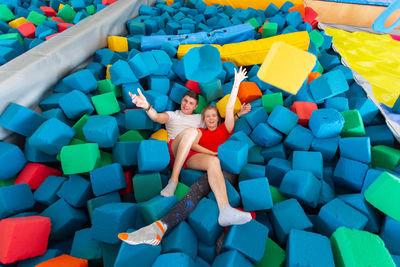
column 141, row 102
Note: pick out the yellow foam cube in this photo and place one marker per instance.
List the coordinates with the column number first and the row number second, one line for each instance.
column 117, row 43
column 286, row 67
column 221, row 105
column 161, row 134
column 108, row 76
column 16, row 22
column 60, row 6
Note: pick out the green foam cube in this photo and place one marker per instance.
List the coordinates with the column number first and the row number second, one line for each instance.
column 105, row 159
column 353, row 124
column 36, row 18
column 276, row 195
column 253, row 23
column 317, row 38
column 355, row 248
column 79, row 158
column 78, row 127
column 67, row 13
column 6, row 14
column 131, row 135
column 385, row 157
column 146, row 186
column 269, row 101
column 201, row 104
column 384, row 194
column 181, row 190
column 7, row 182
column 106, row 86
column 16, row 36
column 106, row 104
column 269, row 29
column 320, row 69
column 274, row 255
column 91, row 9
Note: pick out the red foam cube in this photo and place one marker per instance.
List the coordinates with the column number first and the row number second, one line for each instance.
column 23, row 238
column 193, row 85
column 48, row 11
column 57, row 19
column 129, row 184
column 64, row 261
column 309, row 14
column 107, row 2
column 27, row 29
column 34, row 174
column 63, row 26
column 303, row 110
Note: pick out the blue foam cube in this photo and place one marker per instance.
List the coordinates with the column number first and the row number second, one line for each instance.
column 255, row 155
column 204, row 221
column 303, row 186
column 277, row 151
column 181, row 239
column 96, row 202
column 276, row 169
column 308, row 161
column 147, row 159
column 173, row 259
column 328, row 61
column 294, row 18
column 32, row 154
column 58, row 114
column 266, row 136
column 356, row 148
column 137, row 119
column 308, row 249
column 256, row 116
column 107, row 179
column 370, row 177
column 14, row 199
column 350, row 173
column 390, row 234
column 285, row 7
column 229, row 68
column 142, row 255
column 158, row 100
column 65, row 220
column 255, row 194
column 326, row 146
column 299, row 138
column 169, row 49
column 51, row 136
column 75, row 191
column 206, row 255
column 143, row 64
column 101, row 129
column 111, row 219
column 12, row 160
column 326, row 123
column 368, row 110
column 157, row 207
column 242, row 125
column 164, row 63
column 46, row 194
column 249, row 239
column 51, row 101
column 85, row 247
column 177, row 92
column 232, row 258
column 379, row 135
column 20, row 119
column 241, row 136
column 75, row 104
column 82, row 80
column 271, row 10
column 282, row 119
column 121, row 72
column 159, row 83
column 233, row 156
column 337, row 213
column 125, row 153
column 211, row 90
column 233, row 195
column 252, row 171
column 338, row 103
column 282, row 219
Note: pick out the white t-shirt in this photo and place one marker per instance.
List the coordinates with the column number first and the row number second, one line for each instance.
column 179, row 121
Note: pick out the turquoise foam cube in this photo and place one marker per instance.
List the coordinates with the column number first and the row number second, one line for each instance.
column 285, row 7
column 85, row 247
column 271, row 10
column 158, row 100
column 251, row 171
column 308, row 249
column 15, row 199
column 32, row 154
column 326, row 123
column 107, row 179
column 20, row 119
column 232, row 258
column 189, row 176
column 142, row 255
column 146, row 186
column 256, row 116
column 51, row 101
column 56, row 113
column 46, row 194
column 177, row 92
column 143, row 64
column 157, row 207
column 277, row 151
column 337, row 213
column 282, row 219
column 327, row 146
column 51, row 136
column 299, row 138
column 204, row 221
column 276, row 170
column 137, row 119
column 241, row 136
column 242, row 125
column 233, row 195
column 249, row 239
column 173, row 259
column 282, row 119
column 338, row 103
column 255, row 156
column 294, row 18
column 350, row 173
column 278, row 19
column 159, row 83
column 65, row 220
column 153, row 155
column 255, row 194
column 125, row 153
column 328, row 61
column 164, row 63
column 97, row 69
column 181, row 239
column 303, row 186
column 169, row 49
column 266, row 136
column 233, row 156
column 9, row 168
column 95, row 202
column 229, row 68
column 356, row 148
column 121, row 72
column 136, row 27
column 82, row 80
column 211, row 90
column 75, row 191
column 75, row 104
column 206, row 254
column 308, row 161
column 379, row 135
column 367, row 108
column 101, row 129
column 390, row 234
column 111, row 219
column 370, row 177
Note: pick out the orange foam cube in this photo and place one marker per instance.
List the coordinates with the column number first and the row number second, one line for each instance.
column 299, row 8
column 313, row 76
column 249, row 91
column 64, row 261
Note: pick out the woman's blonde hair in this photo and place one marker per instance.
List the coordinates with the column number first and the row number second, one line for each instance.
column 210, row 107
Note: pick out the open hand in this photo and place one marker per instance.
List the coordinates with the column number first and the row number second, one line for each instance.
column 240, row 75
column 139, row 100
column 244, row 109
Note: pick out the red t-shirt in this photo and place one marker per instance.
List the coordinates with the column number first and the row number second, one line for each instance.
column 213, row 139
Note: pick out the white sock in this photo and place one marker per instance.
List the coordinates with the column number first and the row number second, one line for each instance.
column 231, row 216
column 169, row 190
column 151, row 234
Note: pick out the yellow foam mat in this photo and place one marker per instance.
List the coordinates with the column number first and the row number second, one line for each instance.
column 253, row 52
column 375, row 57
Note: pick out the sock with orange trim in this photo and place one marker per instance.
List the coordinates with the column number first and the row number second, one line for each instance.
column 151, row 234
